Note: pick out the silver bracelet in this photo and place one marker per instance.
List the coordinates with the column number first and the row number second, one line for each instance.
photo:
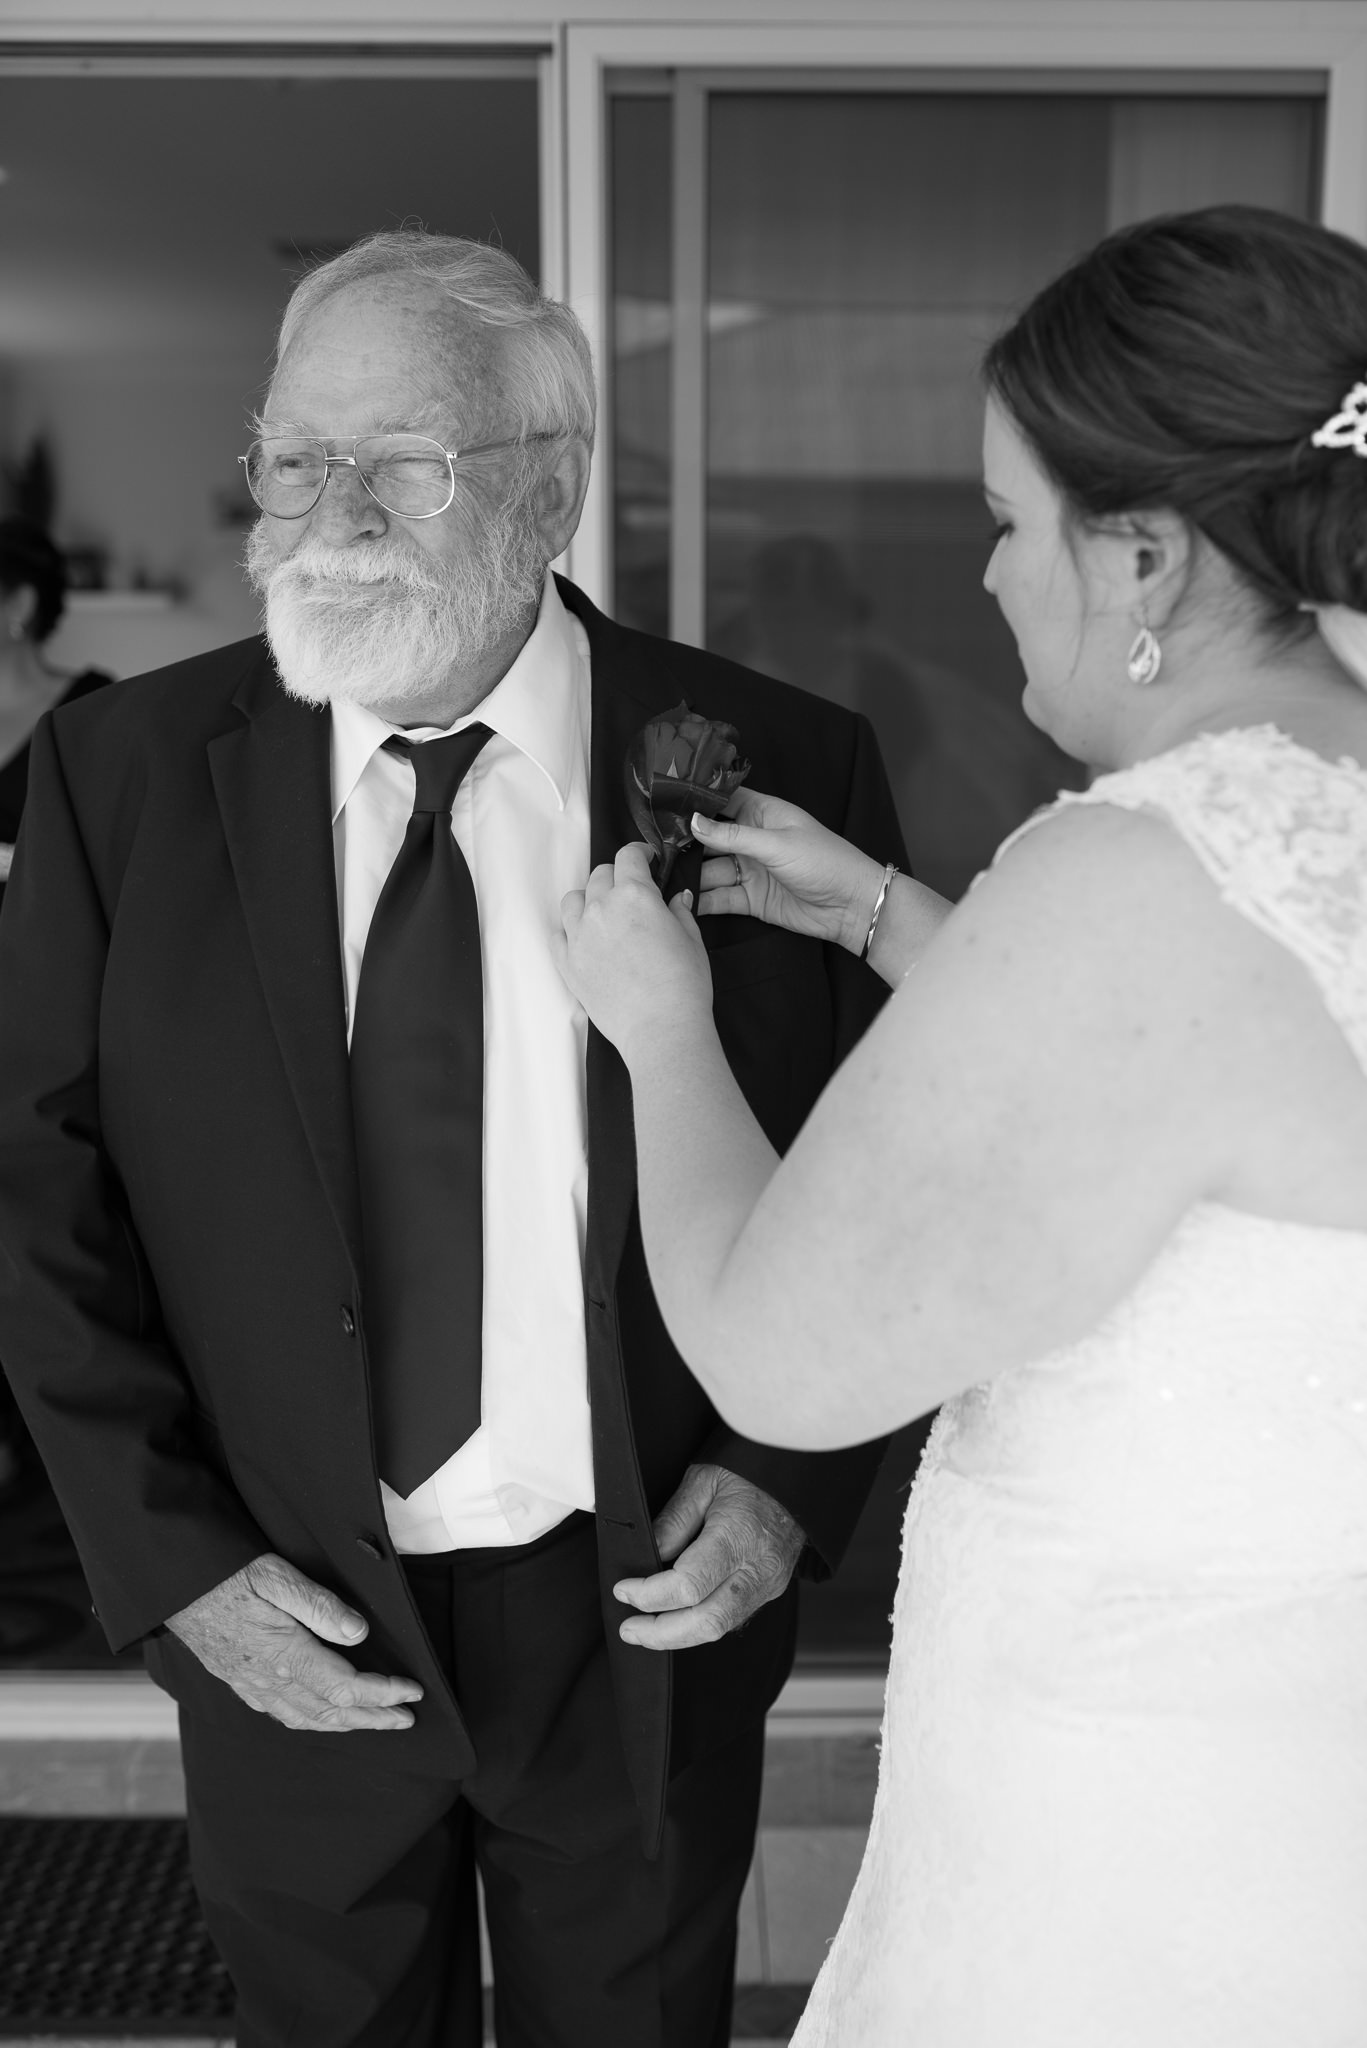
column 888, row 873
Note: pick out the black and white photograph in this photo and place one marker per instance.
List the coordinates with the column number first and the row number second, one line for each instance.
column 683, row 1024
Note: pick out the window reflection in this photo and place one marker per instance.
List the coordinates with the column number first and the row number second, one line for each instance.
column 862, row 250
column 135, row 330
column 965, row 767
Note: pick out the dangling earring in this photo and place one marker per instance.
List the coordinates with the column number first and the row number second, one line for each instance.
column 1145, row 656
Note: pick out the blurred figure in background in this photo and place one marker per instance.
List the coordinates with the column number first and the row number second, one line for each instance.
column 965, row 769
column 33, row 586
column 32, row 596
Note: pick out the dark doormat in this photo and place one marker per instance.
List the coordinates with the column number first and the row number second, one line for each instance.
column 101, row 1937
column 101, row 1934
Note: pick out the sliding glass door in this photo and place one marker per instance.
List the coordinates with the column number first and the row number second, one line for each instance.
column 805, row 273
column 804, row 282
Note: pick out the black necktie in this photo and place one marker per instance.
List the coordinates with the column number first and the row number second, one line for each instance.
column 417, row 1090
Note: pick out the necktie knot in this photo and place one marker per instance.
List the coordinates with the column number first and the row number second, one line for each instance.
column 440, row 765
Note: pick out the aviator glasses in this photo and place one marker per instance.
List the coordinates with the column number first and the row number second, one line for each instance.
column 407, row 474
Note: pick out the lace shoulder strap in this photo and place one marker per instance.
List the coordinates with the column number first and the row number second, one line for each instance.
column 1282, row 834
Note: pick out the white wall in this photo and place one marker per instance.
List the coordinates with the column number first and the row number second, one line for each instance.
column 143, row 447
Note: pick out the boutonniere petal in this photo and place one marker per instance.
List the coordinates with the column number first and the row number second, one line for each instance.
column 679, row 763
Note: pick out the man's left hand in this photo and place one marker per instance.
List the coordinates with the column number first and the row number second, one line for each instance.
column 729, row 1548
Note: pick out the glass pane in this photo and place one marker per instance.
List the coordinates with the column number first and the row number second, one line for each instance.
column 863, row 249
column 642, row 356
column 151, row 231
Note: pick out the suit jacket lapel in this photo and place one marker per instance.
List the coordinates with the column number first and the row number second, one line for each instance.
column 273, row 782
column 619, row 710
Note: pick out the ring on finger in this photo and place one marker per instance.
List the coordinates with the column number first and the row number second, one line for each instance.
column 740, row 879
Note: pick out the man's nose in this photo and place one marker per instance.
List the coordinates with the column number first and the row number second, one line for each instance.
column 346, row 509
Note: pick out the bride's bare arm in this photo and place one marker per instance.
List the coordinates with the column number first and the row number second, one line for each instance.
column 989, row 1172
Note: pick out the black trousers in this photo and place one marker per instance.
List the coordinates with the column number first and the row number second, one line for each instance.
column 341, row 1894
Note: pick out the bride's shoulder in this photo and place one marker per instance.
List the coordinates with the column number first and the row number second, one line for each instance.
column 1106, row 889
column 1086, row 849
column 1145, row 866
column 1230, row 793
column 1265, row 816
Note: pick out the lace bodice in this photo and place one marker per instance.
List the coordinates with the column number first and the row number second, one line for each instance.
column 1123, row 1785
column 1282, row 833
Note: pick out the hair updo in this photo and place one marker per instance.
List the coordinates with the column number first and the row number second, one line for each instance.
column 1183, row 365
column 29, row 561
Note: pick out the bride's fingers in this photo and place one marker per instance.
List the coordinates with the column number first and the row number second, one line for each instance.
column 683, row 910
column 632, row 862
column 727, row 838
column 716, row 832
column 722, row 872
column 600, row 882
column 746, row 805
column 720, row 894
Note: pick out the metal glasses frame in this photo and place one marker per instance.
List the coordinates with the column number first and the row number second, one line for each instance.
column 331, row 462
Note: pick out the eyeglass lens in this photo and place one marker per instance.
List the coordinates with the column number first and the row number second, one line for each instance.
column 406, row 473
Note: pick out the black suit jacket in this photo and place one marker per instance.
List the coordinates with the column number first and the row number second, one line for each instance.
column 181, row 1278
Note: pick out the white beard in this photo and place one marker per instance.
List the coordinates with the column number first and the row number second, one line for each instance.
column 381, row 624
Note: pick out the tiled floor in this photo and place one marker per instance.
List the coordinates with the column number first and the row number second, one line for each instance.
column 818, row 1796
column 792, row 1906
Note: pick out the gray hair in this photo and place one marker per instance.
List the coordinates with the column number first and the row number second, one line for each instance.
column 549, row 368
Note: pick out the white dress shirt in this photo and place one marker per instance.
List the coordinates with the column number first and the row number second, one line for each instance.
column 521, row 819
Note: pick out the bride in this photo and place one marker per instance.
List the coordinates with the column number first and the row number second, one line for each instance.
column 1097, row 1182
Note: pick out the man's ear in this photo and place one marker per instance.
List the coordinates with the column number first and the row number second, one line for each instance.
column 560, row 497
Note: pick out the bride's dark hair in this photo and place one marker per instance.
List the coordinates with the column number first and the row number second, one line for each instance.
column 1184, row 365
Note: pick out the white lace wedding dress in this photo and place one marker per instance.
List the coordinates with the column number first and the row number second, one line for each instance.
column 1122, row 1799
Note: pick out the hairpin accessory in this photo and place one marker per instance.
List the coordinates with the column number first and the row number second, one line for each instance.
column 1145, row 657
column 1348, row 427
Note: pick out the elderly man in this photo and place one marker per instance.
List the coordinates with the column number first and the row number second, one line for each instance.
column 322, row 1286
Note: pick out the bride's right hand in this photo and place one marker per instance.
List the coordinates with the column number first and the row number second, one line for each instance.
column 773, row 861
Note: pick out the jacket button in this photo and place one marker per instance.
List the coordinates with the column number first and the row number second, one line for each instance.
column 348, row 1321
column 369, row 1546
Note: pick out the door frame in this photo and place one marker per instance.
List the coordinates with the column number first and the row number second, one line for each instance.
column 986, row 45
column 518, row 52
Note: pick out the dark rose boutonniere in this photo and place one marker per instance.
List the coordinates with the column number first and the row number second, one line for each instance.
column 677, row 764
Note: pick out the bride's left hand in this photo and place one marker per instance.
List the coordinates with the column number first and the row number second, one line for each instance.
column 633, row 961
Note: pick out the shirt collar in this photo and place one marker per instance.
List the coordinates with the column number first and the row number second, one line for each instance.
column 536, row 706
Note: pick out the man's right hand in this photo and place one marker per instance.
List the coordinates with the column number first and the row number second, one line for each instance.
column 265, row 1633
